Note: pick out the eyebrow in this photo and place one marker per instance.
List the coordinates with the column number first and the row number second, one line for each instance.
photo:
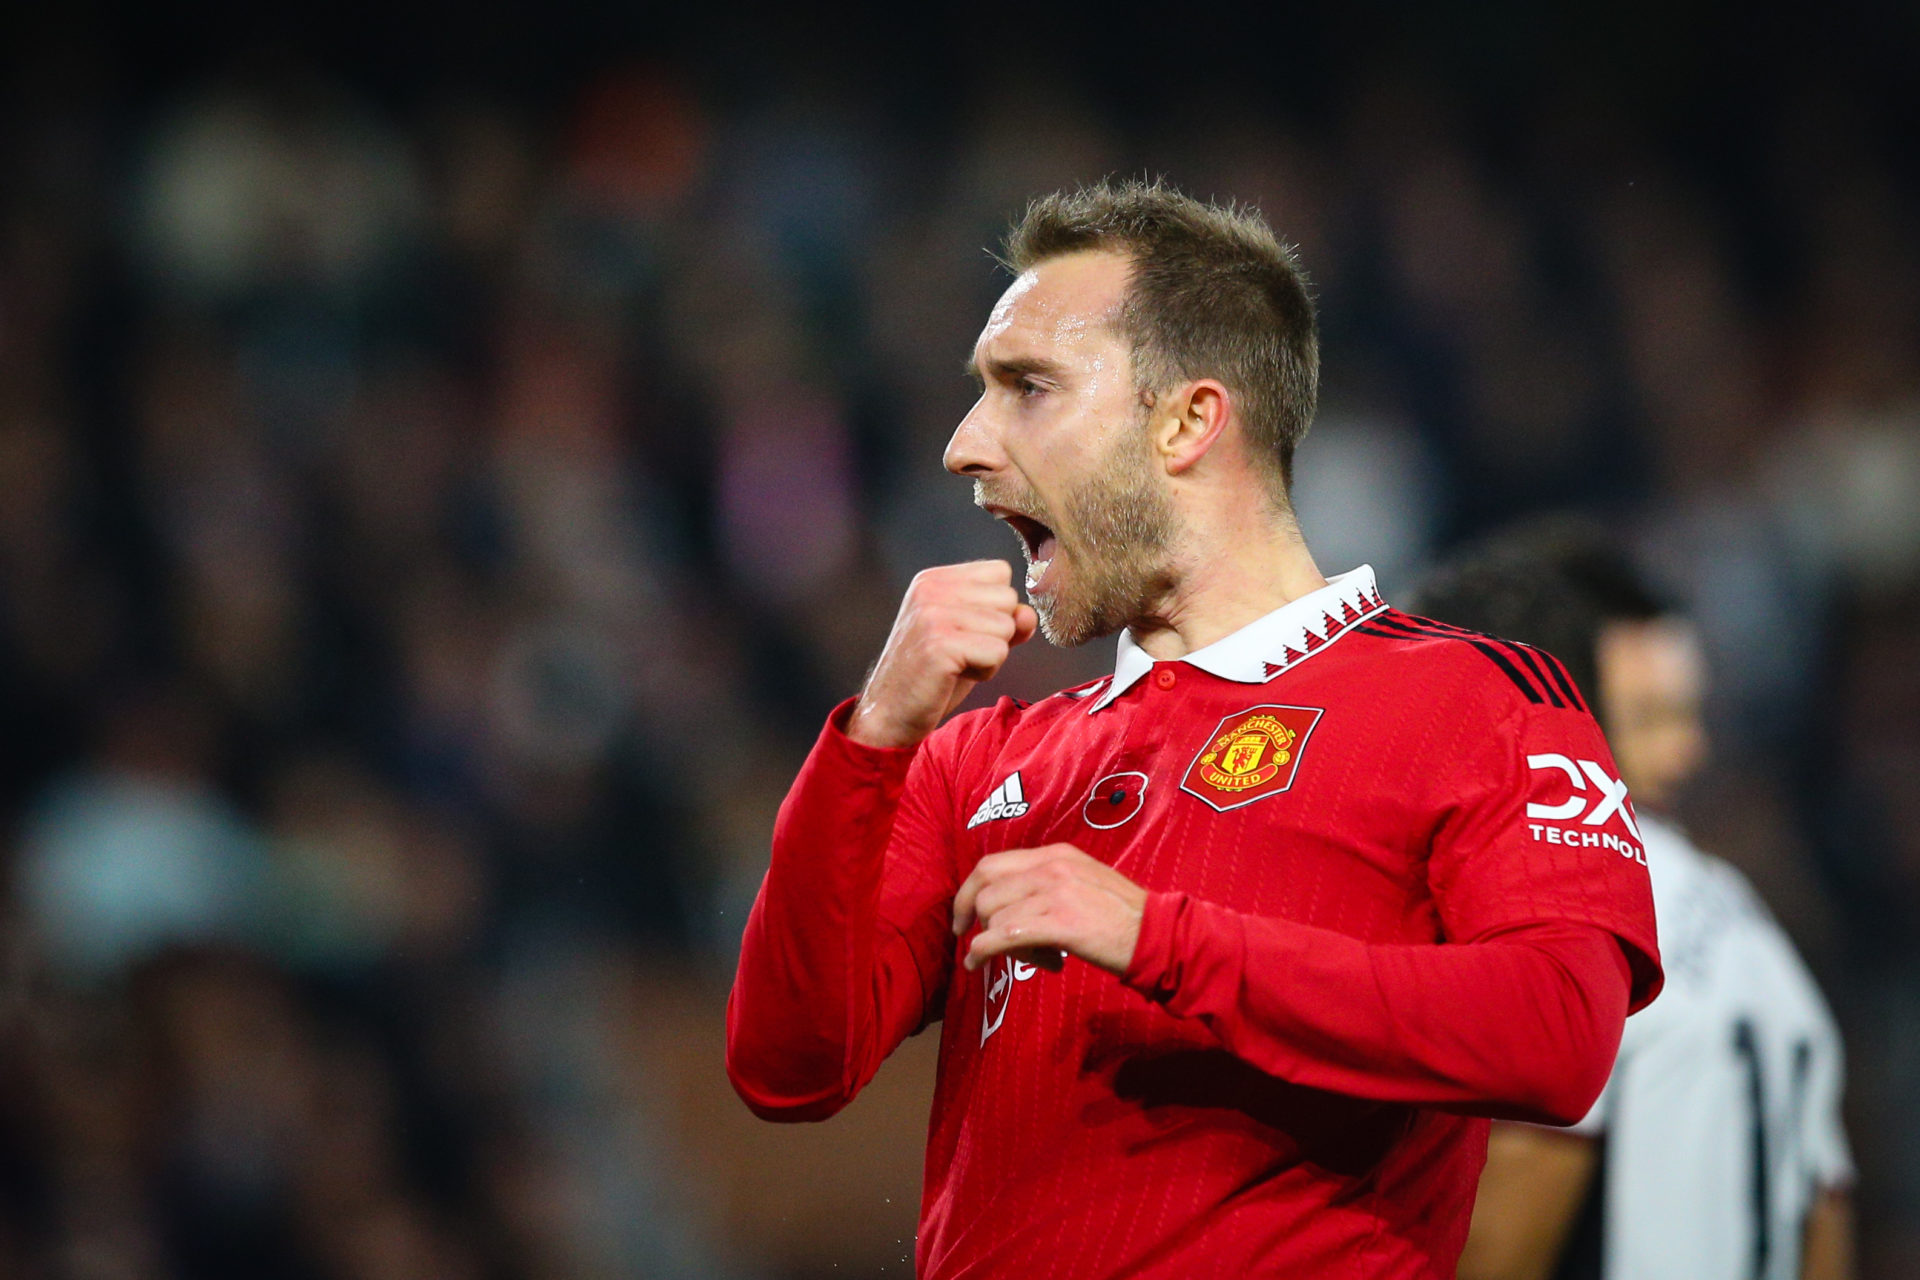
column 1012, row 370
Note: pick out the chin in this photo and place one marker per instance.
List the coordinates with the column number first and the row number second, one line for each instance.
column 1068, row 628
column 1059, row 629
column 1059, row 637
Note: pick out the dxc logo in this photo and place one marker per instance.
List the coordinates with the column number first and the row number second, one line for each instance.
column 1611, row 800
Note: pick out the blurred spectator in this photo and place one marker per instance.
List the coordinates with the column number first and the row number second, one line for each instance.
column 140, row 851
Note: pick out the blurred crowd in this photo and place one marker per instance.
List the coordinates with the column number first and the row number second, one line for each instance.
column 431, row 532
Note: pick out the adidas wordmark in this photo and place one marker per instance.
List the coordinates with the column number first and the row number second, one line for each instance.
column 1008, row 800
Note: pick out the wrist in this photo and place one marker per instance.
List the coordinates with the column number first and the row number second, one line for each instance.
column 870, row 726
column 1127, row 941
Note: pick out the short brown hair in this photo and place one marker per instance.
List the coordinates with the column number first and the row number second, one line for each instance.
column 1214, row 294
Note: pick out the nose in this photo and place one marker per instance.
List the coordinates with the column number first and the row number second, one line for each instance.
column 975, row 448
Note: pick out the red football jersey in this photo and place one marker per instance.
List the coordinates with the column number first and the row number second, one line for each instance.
column 1395, row 885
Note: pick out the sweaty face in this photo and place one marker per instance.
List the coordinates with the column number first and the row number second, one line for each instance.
column 1059, row 447
column 1109, row 539
column 1652, row 686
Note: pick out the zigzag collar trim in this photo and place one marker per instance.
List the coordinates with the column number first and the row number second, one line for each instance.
column 1268, row 645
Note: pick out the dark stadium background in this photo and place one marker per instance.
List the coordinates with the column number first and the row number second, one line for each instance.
column 451, row 457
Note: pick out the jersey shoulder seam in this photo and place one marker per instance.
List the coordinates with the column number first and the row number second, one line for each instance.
column 1536, row 674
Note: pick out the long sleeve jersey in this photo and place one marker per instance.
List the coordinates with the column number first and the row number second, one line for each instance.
column 1394, row 887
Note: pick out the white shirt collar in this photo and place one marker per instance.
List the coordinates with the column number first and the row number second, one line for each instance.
column 1268, row 645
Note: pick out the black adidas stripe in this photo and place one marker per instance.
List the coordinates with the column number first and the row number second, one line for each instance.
column 1531, row 657
column 1552, row 672
column 1527, row 656
column 1407, row 631
column 1433, row 624
column 1558, row 670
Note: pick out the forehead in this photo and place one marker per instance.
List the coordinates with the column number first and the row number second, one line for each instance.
column 1063, row 303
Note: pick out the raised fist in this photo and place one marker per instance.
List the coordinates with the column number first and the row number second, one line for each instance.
column 956, row 626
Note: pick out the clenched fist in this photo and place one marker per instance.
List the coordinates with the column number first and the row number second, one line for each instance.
column 956, row 626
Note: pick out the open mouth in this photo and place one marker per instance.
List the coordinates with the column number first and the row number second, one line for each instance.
column 1036, row 540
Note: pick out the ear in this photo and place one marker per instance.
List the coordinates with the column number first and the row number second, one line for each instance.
column 1188, row 421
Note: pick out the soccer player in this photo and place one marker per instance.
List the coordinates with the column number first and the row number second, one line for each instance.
column 1236, row 948
column 1716, row 1150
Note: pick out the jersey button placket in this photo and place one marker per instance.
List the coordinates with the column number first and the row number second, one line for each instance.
column 1139, row 748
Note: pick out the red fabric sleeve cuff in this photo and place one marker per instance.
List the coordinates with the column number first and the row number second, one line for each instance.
column 1153, row 971
column 883, row 763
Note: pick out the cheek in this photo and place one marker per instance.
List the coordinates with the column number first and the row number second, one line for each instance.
column 1684, row 742
column 1635, row 744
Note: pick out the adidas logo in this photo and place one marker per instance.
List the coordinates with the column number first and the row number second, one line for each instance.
column 1008, row 800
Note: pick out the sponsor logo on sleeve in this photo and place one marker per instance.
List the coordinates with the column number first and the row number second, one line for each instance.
column 1251, row 755
column 1593, row 801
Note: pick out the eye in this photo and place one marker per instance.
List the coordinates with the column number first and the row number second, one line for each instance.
column 1029, row 388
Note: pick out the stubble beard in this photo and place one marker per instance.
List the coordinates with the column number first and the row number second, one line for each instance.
column 1115, row 536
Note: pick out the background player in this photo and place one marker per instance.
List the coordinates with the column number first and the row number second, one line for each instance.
column 1717, row 1149
column 1250, row 838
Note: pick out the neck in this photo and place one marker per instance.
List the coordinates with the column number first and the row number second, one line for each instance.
column 1228, row 570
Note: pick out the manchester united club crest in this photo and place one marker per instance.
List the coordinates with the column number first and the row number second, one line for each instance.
column 1251, row 755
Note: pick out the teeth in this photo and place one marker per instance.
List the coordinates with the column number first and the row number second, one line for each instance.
column 1035, row 572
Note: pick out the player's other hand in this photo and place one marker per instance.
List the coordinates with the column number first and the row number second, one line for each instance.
column 956, row 626
column 1036, row 903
